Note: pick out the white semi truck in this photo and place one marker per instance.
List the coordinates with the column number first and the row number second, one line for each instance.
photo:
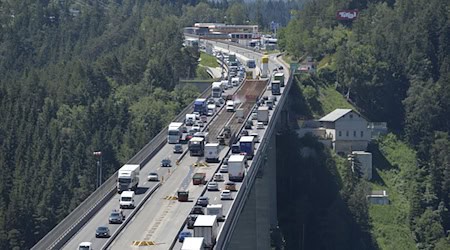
column 190, row 119
column 128, row 177
column 174, row 132
column 216, row 90
column 236, row 167
column 206, row 226
column 212, row 151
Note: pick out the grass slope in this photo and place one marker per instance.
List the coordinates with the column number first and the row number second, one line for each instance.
column 208, row 60
column 330, row 100
column 393, row 163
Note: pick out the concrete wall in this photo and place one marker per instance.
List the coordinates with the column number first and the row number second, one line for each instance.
column 259, row 215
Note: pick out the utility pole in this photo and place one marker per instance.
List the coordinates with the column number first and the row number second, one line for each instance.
column 98, row 154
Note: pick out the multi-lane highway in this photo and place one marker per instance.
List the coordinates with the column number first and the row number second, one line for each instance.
column 87, row 233
column 161, row 217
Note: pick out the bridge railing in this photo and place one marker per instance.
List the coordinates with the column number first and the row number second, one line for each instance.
column 230, row 223
column 72, row 223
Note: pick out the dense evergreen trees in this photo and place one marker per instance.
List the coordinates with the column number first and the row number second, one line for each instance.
column 393, row 63
column 75, row 82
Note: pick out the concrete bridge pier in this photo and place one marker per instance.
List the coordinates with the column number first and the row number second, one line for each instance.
column 259, row 215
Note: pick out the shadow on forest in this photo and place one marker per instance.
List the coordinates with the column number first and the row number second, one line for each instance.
column 298, row 104
column 312, row 213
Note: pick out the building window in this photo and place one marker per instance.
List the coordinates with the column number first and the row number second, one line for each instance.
column 346, row 133
column 362, row 134
column 351, row 116
column 354, row 133
column 340, row 133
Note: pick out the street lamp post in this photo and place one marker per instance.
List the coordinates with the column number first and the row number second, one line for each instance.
column 98, row 154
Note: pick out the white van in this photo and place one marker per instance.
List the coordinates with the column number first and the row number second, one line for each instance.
column 127, row 199
column 235, row 81
column 85, row 246
column 230, row 106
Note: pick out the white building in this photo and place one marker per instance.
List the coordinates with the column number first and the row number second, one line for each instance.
column 347, row 130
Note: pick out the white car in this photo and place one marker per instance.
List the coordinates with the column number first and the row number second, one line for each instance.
column 223, row 168
column 197, row 115
column 218, row 177
column 226, row 195
column 196, row 127
column 152, row 177
column 85, row 246
column 212, row 186
column 260, row 125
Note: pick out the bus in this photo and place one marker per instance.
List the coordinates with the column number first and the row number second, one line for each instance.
column 251, row 63
column 174, row 132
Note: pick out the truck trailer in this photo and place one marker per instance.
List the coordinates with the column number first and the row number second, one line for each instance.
column 174, row 132
column 212, row 151
column 279, row 77
column 276, row 87
column 247, row 146
column 236, row 168
column 128, row 177
column 263, row 115
column 193, row 243
column 216, row 90
column 217, row 210
column 196, row 146
column 206, row 226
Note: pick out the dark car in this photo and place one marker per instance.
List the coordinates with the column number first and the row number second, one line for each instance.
column 230, row 186
column 248, row 124
column 116, row 217
column 244, row 133
column 166, row 163
column 183, row 235
column 203, row 201
column 225, row 160
column 190, row 220
column 102, row 232
column 198, row 210
column 178, row 149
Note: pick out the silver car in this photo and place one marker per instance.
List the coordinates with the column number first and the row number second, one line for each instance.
column 212, row 186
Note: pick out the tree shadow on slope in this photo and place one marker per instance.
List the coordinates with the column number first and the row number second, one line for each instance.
column 298, row 105
column 312, row 214
column 380, row 163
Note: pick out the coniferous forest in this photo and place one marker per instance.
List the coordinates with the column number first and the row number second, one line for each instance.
column 393, row 63
column 84, row 76
column 78, row 76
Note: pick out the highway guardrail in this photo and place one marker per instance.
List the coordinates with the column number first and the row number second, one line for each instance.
column 72, row 223
column 230, row 223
